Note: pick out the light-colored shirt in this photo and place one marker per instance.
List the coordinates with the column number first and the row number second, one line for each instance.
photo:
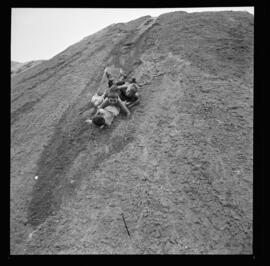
column 109, row 113
column 97, row 100
column 113, row 109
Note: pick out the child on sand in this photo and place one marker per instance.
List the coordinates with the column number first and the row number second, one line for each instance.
column 106, row 114
column 129, row 93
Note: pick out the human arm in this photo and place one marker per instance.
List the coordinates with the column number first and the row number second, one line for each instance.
column 124, row 86
column 131, row 104
column 123, row 107
column 104, row 103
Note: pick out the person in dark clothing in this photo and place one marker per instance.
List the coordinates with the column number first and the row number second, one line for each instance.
column 129, row 93
column 110, row 82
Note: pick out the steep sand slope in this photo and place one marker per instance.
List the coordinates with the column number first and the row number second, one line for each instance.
column 17, row 67
column 179, row 170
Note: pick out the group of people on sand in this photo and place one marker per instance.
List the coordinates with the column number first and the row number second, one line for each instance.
column 121, row 95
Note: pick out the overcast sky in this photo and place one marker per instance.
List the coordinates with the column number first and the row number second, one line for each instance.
column 41, row 33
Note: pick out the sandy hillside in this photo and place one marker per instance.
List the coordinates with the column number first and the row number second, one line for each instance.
column 17, row 67
column 179, row 170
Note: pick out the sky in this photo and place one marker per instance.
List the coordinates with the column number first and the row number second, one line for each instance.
column 41, row 33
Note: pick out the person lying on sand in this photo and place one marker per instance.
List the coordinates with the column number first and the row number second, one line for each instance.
column 115, row 98
column 106, row 114
column 129, row 93
column 109, row 108
column 109, row 97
